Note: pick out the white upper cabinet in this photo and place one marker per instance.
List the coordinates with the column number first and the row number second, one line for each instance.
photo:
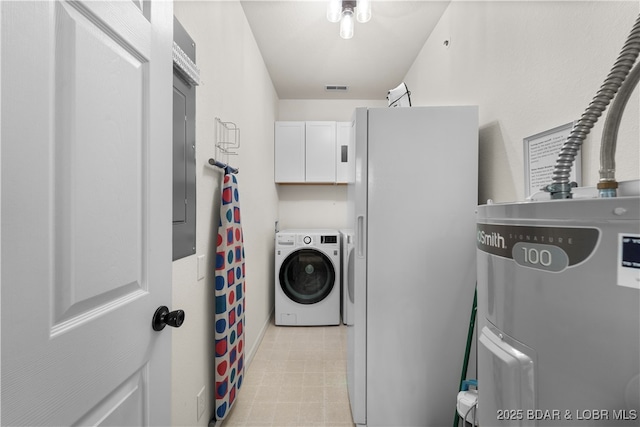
column 320, row 152
column 290, row 152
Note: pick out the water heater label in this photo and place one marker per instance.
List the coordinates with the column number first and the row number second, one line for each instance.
column 544, row 248
column 544, row 257
column 629, row 260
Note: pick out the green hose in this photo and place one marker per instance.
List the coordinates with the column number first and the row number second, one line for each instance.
column 465, row 364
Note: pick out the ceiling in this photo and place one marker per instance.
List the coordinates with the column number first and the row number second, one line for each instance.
column 303, row 51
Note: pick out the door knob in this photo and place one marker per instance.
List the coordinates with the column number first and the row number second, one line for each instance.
column 163, row 317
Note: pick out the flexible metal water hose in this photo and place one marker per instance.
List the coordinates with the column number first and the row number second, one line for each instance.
column 608, row 184
column 560, row 188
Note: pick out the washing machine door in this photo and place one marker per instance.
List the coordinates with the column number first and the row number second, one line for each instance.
column 307, row 276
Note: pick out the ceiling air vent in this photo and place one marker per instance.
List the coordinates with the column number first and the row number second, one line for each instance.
column 336, row 88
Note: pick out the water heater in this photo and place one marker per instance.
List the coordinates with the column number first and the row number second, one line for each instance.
column 559, row 313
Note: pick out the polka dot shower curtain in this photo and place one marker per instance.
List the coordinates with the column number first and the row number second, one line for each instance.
column 230, row 303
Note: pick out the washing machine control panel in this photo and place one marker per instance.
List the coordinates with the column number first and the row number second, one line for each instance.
column 329, row 240
column 286, row 239
column 324, row 240
column 293, row 238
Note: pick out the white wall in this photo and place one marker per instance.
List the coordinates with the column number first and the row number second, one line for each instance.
column 325, row 109
column 236, row 88
column 317, row 206
column 530, row 66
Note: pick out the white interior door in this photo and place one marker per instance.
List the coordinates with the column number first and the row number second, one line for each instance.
column 86, row 212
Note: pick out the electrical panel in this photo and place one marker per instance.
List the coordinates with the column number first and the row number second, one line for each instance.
column 184, row 149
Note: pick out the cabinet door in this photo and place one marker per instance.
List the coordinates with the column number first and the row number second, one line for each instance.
column 345, row 153
column 321, row 152
column 289, row 151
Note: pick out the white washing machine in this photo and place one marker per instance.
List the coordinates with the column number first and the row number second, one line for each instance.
column 348, row 250
column 307, row 282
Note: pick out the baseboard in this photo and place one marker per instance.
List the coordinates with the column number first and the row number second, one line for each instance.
column 254, row 348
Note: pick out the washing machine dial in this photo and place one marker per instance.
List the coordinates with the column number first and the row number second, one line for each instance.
column 307, row 240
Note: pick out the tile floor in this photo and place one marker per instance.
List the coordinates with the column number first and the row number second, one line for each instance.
column 297, row 378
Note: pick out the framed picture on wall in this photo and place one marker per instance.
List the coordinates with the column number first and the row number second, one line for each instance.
column 540, row 154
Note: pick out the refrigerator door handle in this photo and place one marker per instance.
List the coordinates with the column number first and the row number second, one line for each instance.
column 360, row 235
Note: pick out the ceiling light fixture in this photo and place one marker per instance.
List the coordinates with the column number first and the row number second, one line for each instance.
column 343, row 10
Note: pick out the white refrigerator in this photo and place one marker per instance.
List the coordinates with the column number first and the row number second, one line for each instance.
column 412, row 209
